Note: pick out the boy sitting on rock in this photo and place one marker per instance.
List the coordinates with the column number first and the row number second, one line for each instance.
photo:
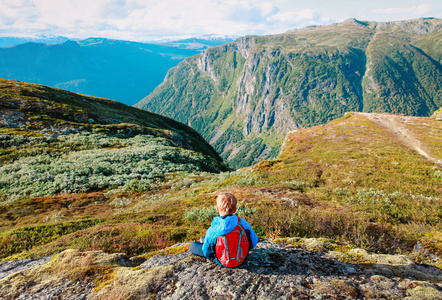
column 229, row 238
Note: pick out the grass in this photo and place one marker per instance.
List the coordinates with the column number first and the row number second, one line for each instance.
column 349, row 181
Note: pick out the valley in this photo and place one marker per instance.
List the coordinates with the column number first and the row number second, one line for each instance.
column 120, row 70
column 245, row 96
column 334, row 134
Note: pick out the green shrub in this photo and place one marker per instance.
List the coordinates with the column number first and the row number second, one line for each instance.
column 25, row 238
column 135, row 167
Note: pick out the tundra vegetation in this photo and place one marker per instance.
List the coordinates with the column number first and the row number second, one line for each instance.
column 128, row 188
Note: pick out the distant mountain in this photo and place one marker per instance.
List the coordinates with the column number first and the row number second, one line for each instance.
column 202, row 42
column 244, row 96
column 44, row 39
column 53, row 141
column 119, row 70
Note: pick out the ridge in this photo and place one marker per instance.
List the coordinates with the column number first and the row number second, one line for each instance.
column 243, row 96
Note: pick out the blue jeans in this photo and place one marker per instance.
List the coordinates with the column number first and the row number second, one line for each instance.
column 197, row 248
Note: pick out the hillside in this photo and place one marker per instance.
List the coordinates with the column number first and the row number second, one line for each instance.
column 119, row 70
column 350, row 209
column 438, row 114
column 54, row 141
column 244, row 96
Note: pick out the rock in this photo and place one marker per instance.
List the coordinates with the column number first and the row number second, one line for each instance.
column 10, row 267
column 424, row 292
column 382, row 282
column 271, row 271
column 419, row 247
column 398, row 265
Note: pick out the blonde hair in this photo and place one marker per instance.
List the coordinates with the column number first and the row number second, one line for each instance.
column 226, row 203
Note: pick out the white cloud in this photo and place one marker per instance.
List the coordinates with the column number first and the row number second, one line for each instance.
column 416, row 10
column 141, row 19
column 147, row 19
column 295, row 19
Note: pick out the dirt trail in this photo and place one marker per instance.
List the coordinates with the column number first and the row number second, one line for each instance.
column 395, row 124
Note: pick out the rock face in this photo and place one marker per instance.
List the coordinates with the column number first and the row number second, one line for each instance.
column 296, row 269
column 244, row 96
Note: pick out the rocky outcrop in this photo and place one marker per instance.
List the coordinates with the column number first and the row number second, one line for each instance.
column 291, row 268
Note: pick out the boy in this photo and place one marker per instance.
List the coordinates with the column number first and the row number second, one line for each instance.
column 222, row 225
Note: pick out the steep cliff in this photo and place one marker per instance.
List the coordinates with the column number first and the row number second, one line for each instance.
column 244, row 96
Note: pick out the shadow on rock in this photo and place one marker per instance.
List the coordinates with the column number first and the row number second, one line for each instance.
column 296, row 261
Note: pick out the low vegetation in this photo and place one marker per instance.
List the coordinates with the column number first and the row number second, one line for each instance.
column 349, row 180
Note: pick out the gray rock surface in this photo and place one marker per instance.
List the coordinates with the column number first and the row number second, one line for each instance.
column 68, row 290
column 296, row 269
column 278, row 271
column 11, row 267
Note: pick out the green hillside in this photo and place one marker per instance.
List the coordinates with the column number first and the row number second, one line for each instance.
column 366, row 180
column 56, row 142
column 244, row 96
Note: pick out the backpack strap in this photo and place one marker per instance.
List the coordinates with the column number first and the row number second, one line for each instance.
column 242, row 235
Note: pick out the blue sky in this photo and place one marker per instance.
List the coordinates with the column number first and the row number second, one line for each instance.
column 144, row 20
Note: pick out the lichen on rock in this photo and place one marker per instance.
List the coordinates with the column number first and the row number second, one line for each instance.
column 272, row 271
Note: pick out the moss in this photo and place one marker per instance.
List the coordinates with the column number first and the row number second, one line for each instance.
column 345, row 287
column 105, row 278
column 425, row 292
column 168, row 251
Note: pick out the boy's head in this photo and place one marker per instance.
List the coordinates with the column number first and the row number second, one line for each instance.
column 225, row 204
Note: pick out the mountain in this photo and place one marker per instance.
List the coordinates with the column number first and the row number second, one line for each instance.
column 201, row 42
column 244, row 96
column 349, row 210
column 119, row 70
column 43, row 39
column 57, row 142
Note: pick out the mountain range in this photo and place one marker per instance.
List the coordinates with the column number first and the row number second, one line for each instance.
column 244, row 96
column 9, row 41
column 201, row 42
column 120, row 70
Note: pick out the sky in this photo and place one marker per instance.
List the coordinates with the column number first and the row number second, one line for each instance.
column 147, row 20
